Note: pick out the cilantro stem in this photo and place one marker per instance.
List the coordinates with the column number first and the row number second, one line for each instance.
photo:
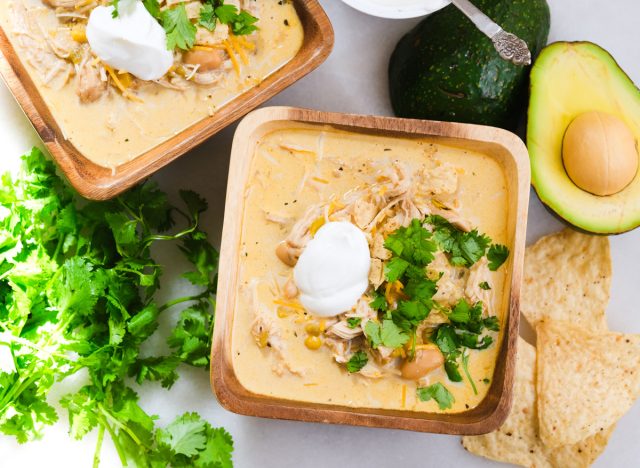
column 121, row 426
column 465, row 368
column 96, row 455
column 175, row 302
column 116, row 444
column 17, row 390
column 159, row 237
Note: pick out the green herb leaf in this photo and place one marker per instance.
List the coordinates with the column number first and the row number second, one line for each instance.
column 484, row 285
column 395, row 268
column 437, row 392
column 357, row 361
column 379, row 303
column 181, row 33
column 386, row 334
column 153, row 7
column 353, row 322
column 208, row 18
column 464, row 248
column 497, row 255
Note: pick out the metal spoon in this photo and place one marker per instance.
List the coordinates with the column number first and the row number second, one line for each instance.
column 509, row 46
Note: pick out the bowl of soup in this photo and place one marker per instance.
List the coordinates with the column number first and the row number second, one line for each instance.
column 371, row 271
column 118, row 91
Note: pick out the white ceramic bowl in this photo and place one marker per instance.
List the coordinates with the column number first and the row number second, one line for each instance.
column 397, row 8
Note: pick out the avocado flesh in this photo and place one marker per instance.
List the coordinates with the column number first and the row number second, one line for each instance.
column 568, row 79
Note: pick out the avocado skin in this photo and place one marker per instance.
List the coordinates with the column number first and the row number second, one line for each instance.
column 445, row 69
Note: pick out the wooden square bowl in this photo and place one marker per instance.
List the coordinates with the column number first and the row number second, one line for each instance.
column 100, row 183
column 504, row 147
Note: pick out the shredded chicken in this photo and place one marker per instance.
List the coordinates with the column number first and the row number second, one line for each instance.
column 91, row 87
column 451, row 282
column 268, row 335
column 478, row 274
column 54, row 71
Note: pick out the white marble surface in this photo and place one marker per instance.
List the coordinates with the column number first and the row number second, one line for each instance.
column 352, row 80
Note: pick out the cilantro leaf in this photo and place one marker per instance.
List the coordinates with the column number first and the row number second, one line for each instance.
column 379, row 303
column 186, row 435
column 437, row 392
column 410, row 314
column 412, row 244
column 357, row 361
column 244, row 23
column 464, row 248
column 451, row 368
column 484, row 285
column 386, row 334
column 181, row 33
column 497, row 255
column 241, row 23
column 353, row 322
column 207, row 18
column 153, row 7
column 226, row 13
column 395, row 268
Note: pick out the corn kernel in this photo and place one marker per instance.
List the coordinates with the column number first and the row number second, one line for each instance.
column 313, row 342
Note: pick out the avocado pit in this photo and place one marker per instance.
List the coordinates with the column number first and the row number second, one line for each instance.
column 599, row 153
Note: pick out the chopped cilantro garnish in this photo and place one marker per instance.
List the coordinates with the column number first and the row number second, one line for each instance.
column 379, row 302
column 437, row 392
column 181, row 32
column 353, row 322
column 412, row 244
column 386, row 334
column 497, row 255
column 484, row 285
column 357, row 361
column 240, row 22
column 463, row 248
column 464, row 331
column 395, row 268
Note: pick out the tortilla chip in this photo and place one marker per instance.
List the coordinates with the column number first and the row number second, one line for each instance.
column 586, row 380
column 582, row 454
column 567, row 276
column 517, row 440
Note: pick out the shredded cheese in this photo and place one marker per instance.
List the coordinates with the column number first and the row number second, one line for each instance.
column 291, row 305
column 234, row 60
column 120, row 85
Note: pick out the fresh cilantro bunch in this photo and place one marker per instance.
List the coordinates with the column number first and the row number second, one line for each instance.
column 77, row 293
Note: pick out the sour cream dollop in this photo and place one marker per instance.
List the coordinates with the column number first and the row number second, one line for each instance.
column 133, row 41
column 333, row 271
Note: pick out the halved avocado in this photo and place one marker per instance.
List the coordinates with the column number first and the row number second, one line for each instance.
column 567, row 80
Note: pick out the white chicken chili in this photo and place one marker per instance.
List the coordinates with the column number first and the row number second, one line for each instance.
column 423, row 330
column 119, row 82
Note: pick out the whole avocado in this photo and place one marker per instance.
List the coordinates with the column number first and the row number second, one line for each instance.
column 445, row 69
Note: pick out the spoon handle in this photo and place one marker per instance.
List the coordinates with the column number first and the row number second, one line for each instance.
column 509, row 46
